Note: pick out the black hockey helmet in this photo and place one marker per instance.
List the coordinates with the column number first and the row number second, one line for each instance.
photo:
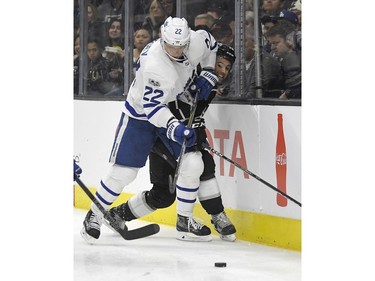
column 226, row 52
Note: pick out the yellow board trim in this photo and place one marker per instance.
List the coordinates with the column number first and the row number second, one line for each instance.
column 253, row 227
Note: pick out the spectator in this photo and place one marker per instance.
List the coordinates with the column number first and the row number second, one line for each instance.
column 249, row 22
column 169, row 7
column 155, row 18
column 76, row 13
column 249, row 5
column 114, row 34
column 214, row 12
column 217, row 9
column 267, row 23
column 272, row 77
column 232, row 25
column 222, row 9
column 202, row 20
column 77, row 47
column 110, row 9
column 114, row 55
column 290, row 21
column 297, row 9
column 94, row 25
column 283, row 49
column 140, row 12
column 289, row 18
column 97, row 70
column 272, row 7
column 222, row 32
column 142, row 37
column 249, row 18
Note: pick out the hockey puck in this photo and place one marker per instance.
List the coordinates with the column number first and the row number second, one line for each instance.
column 220, row 264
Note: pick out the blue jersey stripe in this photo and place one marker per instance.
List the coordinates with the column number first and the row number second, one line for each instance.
column 186, row 200
column 187, row 189
column 153, row 112
column 132, row 110
column 108, row 190
column 103, row 200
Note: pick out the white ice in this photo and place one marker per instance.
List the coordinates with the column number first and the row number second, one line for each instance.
column 162, row 257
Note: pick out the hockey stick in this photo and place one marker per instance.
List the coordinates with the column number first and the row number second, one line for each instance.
column 207, row 147
column 172, row 183
column 116, row 222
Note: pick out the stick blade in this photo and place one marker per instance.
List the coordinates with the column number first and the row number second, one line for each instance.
column 141, row 232
column 118, row 225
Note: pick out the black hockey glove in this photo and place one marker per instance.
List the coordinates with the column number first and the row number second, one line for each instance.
column 177, row 132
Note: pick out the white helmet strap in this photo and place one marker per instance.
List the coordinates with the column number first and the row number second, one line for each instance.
column 180, row 59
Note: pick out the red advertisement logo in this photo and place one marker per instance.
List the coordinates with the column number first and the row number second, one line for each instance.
column 281, row 162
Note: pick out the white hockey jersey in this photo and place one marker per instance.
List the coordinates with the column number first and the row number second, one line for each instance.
column 159, row 80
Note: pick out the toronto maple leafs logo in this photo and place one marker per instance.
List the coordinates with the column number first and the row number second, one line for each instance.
column 153, row 82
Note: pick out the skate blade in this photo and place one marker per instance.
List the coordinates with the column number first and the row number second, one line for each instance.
column 187, row 236
column 229, row 238
column 89, row 239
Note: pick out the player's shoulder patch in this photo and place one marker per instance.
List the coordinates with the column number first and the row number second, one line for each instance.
column 153, row 82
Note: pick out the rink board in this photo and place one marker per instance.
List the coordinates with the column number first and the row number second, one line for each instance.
column 244, row 133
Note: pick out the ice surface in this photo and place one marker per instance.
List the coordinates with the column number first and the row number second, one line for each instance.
column 162, row 257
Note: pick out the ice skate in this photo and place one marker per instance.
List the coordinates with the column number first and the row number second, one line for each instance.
column 224, row 227
column 188, row 229
column 118, row 212
column 91, row 227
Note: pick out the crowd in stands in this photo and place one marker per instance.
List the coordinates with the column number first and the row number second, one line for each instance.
column 280, row 51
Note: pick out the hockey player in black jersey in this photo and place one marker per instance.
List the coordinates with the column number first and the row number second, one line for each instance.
column 162, row 165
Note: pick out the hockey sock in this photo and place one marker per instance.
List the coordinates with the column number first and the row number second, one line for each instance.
column 188, row 183
column 113, row 184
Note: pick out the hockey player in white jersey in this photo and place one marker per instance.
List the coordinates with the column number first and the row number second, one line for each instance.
column 163, row 164
column 165, row 69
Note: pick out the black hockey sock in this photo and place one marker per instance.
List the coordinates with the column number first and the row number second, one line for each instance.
column 124, row 212
column 213, row 206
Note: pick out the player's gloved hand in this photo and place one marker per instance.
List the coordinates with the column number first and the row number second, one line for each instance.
column 177, row 132
column 76, row 169
column 204, row 84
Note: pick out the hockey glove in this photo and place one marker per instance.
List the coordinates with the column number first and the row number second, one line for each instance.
column 204, row 84
column 76, row 169
column 177, row 132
